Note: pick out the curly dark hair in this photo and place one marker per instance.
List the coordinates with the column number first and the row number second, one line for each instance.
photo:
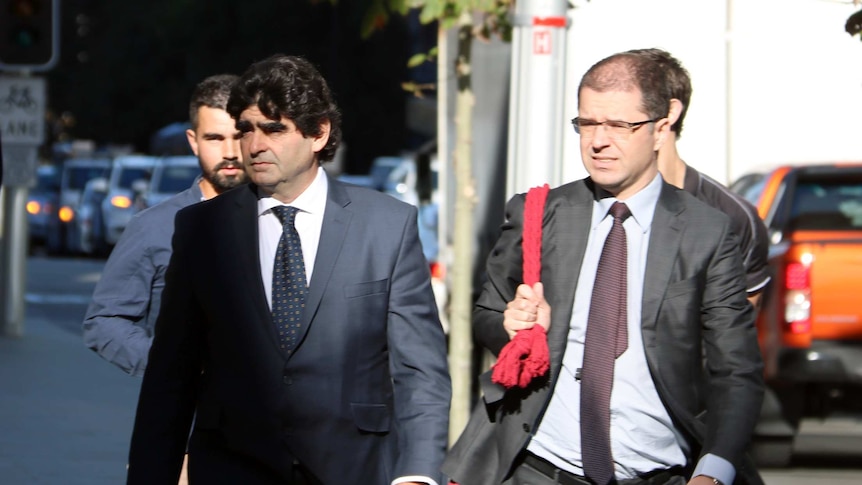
column 212, row 92
column 289, row 87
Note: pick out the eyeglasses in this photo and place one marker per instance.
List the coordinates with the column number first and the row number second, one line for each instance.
column 617, row 130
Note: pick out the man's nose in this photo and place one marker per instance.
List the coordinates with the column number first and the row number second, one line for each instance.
column 254, row 143
column 601, row 137
column 232, row 150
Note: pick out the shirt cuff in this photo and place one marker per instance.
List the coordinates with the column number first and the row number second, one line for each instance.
column 716, row 467
column 419, row 479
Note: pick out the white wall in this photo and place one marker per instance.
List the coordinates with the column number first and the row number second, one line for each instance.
column 774, row 80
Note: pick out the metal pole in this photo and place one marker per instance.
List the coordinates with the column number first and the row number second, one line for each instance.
column 536, row 100
column 23, row 131
column 14, row 262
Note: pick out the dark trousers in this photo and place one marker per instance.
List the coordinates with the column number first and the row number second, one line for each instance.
column 533, row 470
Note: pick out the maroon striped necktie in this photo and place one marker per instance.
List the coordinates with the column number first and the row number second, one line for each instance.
column 606, row 339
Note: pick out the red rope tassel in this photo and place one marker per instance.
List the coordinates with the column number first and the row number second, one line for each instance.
column 526, row 355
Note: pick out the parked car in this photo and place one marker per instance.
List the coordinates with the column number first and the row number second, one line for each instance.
column 63, row 231
column 810, row 324
column 89, row 223
column 42, row 202
column 130, row 175
column 170, row 177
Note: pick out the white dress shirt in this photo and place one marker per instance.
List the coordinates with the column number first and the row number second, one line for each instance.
column 309, row 222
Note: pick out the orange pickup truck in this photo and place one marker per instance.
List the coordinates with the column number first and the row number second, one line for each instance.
column 810, row 323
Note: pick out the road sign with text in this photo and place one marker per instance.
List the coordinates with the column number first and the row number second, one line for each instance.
column 22, row 110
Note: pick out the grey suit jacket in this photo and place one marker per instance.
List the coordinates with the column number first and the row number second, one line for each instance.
column 694, row 304
column 364, row 398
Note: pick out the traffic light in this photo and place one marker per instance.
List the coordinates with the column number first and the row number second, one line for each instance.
column 28, row 34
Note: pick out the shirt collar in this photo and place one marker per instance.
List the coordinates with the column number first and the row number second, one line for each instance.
column 641, row 205
column 312, row 200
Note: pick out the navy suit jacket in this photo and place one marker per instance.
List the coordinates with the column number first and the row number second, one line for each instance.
column 364, row 398
column 694, row 305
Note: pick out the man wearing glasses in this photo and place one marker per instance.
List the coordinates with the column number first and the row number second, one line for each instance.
column 655, row 374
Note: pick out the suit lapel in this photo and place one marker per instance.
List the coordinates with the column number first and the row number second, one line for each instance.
column 667, row 226
column 244, row 237
column 336, row 220
column 563, row 251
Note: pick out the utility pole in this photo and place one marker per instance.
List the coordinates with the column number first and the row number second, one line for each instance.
column 30, row 43
column 22, row 113
column 536, row 121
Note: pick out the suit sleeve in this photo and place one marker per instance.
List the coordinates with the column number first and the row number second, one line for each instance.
column 733, row 363
column 168, row 392
column 504, row 270
column 418, row 362
column 115, row 325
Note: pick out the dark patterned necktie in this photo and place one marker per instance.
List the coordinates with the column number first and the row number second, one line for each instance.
column 606, row 339
column 288, row 280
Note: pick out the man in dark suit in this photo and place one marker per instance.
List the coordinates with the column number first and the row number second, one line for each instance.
column 684, row 383
column 350, row 385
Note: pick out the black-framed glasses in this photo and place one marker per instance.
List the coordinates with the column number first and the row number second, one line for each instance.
column 618, row 130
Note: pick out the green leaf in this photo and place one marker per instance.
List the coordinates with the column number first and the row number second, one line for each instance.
column 416, row 59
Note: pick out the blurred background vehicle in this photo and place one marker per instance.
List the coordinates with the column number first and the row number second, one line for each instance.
column 130, row 175
column 810, row 322
column 89, row 226
column 749, row 186
column 414, row 179
column 171, row 176
column 75, row 174
column 42, row 202
column 382, row 167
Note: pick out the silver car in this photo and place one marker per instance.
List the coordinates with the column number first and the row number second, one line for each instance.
column 130, row 175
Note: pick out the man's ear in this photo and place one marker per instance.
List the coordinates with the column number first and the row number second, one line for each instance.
column 674, row 111
column 662, row 131
column 321, row 139
column 193, row 141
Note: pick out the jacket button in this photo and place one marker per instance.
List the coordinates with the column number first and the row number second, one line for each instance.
column 287, row 380
column 526, row 427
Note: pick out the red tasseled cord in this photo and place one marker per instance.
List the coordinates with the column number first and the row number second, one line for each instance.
column 526, row 355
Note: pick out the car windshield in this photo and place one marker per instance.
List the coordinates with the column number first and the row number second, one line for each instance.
column 79, row 176
column 828, row 203
column 129, row 175
column 47, row 181
column 177, row 179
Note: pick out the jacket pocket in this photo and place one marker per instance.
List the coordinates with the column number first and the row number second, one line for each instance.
column 681, row 288
column 366, row 288
column 374, row 418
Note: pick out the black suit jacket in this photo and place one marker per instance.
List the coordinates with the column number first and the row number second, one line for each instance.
column 694, row 304
column 365, row 396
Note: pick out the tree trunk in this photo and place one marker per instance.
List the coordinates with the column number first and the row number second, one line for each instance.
column 460, row 336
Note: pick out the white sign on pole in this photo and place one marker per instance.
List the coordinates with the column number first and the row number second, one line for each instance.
column 22, row 110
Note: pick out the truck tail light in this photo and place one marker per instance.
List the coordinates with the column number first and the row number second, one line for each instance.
column 797, row 298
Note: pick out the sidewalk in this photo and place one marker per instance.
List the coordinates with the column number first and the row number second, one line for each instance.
column 65, row 414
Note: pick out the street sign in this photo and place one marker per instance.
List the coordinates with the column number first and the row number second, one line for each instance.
column 22, row 110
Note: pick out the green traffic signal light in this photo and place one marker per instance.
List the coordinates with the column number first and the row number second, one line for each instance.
column 25, row 37
column 29, row 34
